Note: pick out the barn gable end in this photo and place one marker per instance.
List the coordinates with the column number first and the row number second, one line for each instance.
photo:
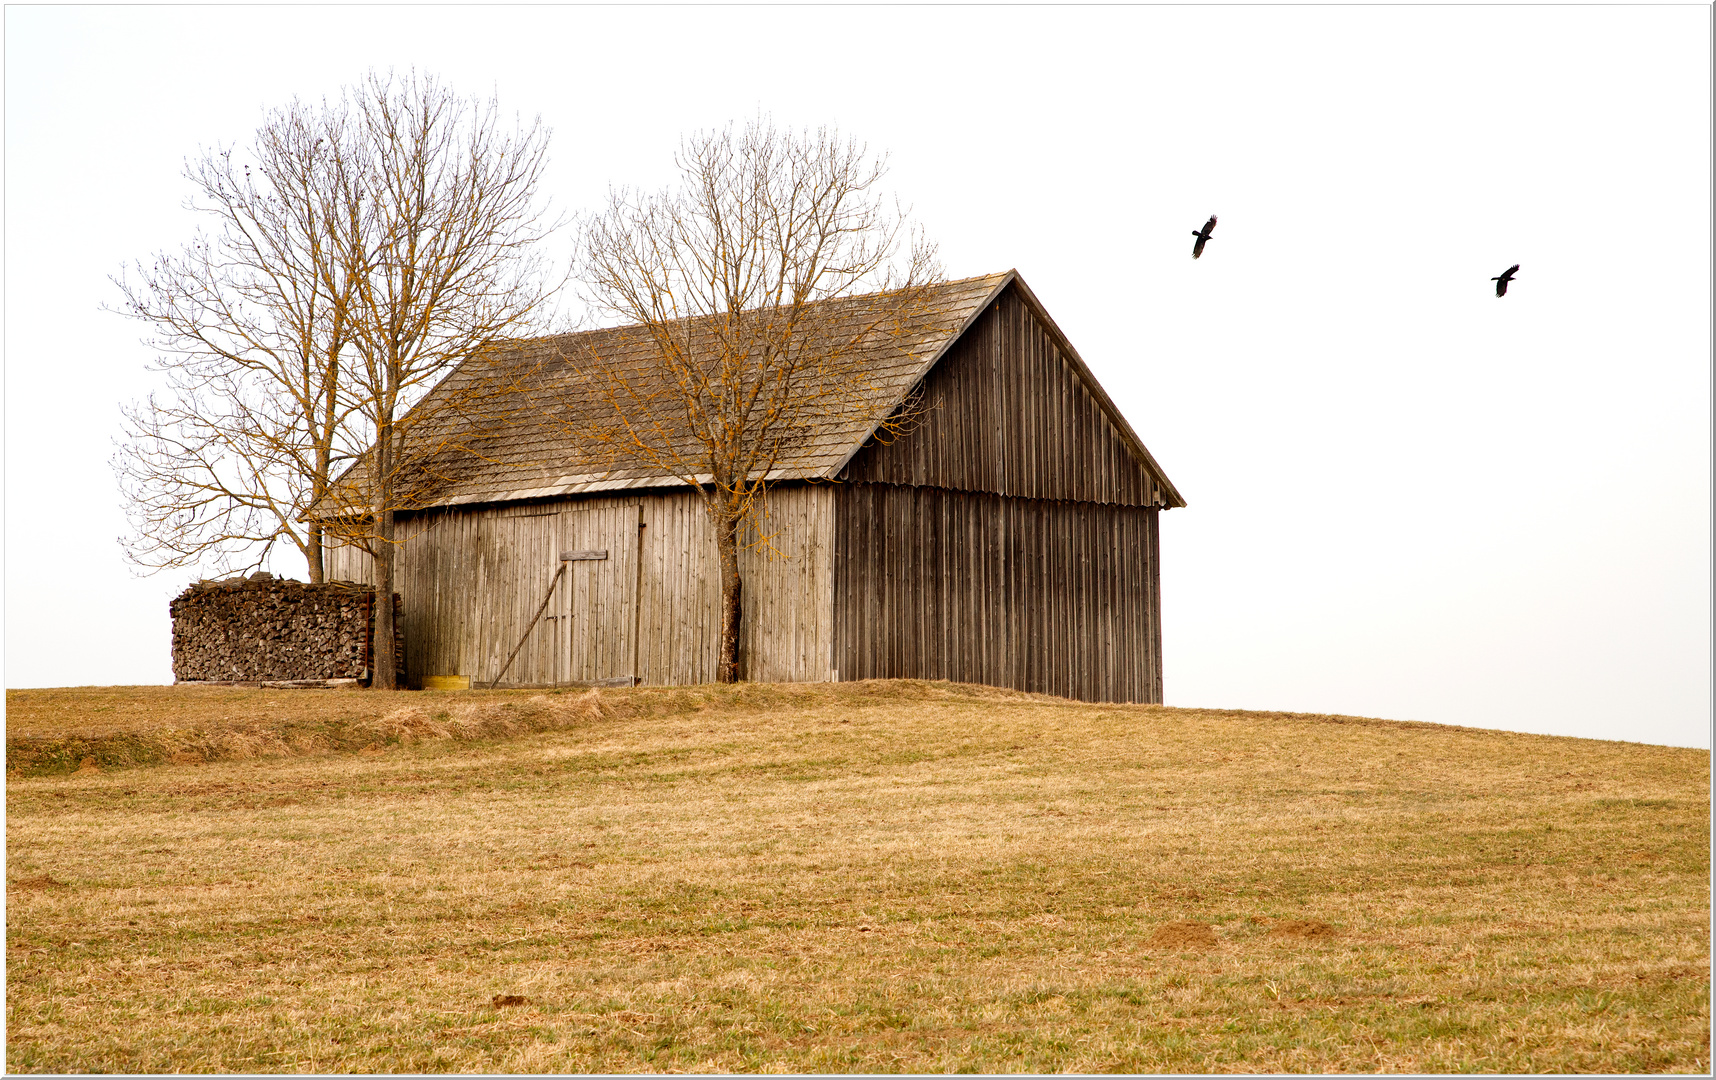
column 1010, row 409
column 1012, row 537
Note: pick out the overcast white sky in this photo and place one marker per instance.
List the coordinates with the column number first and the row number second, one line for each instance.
column 1408, row 498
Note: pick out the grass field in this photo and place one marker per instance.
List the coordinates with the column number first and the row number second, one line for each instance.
column 876, row 877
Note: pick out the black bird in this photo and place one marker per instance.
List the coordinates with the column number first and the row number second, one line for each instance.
column 1506, row 276
column 1203, row 236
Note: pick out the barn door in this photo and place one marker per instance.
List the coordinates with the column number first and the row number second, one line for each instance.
column 600, row 549
column 522, row 542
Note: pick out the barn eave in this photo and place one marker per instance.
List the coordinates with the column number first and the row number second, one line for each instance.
column 591, row 484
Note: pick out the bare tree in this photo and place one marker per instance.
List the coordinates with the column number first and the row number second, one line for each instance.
column 251, row 326
column 365, row 249
column 437, row 230
column 736, row 279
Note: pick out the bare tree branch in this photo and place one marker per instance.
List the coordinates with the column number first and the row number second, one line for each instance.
column 251, row 325
column 437, row 230
column 357, row 253
column 729, row 280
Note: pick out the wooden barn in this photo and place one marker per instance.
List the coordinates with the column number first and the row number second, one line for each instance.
column 1010, row 539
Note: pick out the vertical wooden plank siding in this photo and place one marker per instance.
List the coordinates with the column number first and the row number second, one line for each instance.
column 1047, row 596
column 1006, row 412
column 1153, row 580
column 472, row 578
column 788, row 597
column 1011, row 539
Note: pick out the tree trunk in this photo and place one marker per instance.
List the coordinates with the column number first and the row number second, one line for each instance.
column 319, row 485
column 313, row 553
column 727, row 549
column 383, row 674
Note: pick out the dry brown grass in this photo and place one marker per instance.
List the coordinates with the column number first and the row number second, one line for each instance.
column 86, row 729
column 879, row 877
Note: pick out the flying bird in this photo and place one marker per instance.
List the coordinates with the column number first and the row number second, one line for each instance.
column 1203, row 236
column 1506, row 276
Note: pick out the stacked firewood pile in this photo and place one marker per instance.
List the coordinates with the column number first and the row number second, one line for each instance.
column 267, row 629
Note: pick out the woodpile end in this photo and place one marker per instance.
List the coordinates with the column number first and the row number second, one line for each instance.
column 268, row 630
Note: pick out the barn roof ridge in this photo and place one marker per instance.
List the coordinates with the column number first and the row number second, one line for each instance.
column 541, row 339
column 519, row 464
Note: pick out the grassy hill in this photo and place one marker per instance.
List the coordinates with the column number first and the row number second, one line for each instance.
column 876, row 877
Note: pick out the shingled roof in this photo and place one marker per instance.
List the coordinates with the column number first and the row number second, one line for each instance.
column 510, row 451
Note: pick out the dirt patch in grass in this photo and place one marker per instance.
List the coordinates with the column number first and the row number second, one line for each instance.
column 40, row 881
column 1309, row 929
column 1184, row 935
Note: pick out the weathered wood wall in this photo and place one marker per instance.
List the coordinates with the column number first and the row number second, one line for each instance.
column 472, row 578
column 1046, row 596
column 1011, row 538
column 1004, row 411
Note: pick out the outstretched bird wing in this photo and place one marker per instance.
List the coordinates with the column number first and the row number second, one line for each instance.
column 1505, row 277
column 1203, row 235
